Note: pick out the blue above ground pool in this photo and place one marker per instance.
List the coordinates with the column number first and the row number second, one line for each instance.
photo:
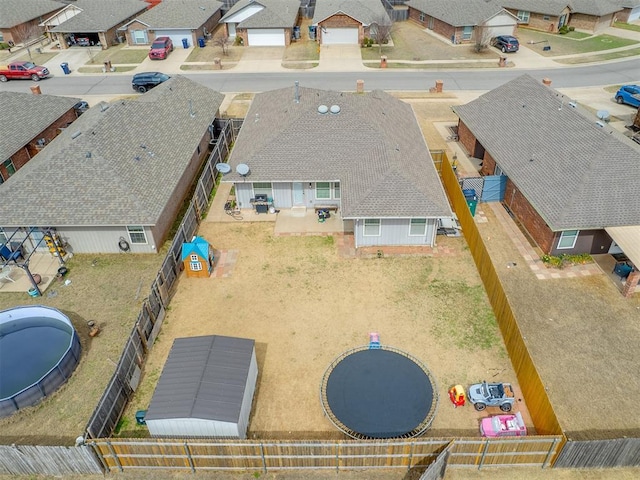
column 39, row 351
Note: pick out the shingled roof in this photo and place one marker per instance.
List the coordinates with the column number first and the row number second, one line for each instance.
column 576, row 174
column 374, row 147
column 13, row 107
column 551, row 7
column 100, row 16
column 597, row 8
column 14, row 13
column 118, row 164
column 458, row 12
column 275, row 14
column 364, row 11
column 186, row 14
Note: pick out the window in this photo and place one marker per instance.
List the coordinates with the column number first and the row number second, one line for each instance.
column 523, row 16
column 194, row 258
column 371, row 227
column 546, row 18
column 195, row 266
column 137, row 235
column 568, row 239
column 9, row 167
column 418, row 227
column 336, row 190
column 467, row 32
column 262, row 188
column 323, row 190
column 140, row 37
column 422, row 16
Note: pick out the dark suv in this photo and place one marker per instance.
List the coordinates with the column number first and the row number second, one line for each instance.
column 160, row 48
column 506, row 43
column 144, row 81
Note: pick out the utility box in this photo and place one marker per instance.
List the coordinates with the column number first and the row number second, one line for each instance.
column 140, row 414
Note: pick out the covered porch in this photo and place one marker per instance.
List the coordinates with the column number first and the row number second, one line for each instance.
column 14, row 277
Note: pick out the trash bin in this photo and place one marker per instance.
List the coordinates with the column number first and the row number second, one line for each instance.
column 140, row 414
column 296, row 32
column 312, row 32
column 201, row 42
column 65, row 68
column 185, row 42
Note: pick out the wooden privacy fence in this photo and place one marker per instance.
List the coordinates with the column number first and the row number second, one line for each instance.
column 619, row 452
column 126, row 377
column 539, row 406
column 199, row 455
column 35, row 460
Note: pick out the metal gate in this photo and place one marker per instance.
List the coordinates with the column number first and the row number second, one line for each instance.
column 494, row 188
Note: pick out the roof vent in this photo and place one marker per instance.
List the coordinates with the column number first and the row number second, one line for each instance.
column 600, row 124
column 76, row 134
column 335, row 109
column 323, row 109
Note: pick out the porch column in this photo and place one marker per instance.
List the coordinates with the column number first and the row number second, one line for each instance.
column 631, row 284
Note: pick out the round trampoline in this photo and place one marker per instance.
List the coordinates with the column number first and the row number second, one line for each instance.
column 379, row 393
column 39, row 350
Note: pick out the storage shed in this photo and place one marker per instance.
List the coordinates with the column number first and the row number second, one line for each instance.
column 206, row 388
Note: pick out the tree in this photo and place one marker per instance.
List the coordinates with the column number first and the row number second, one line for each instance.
column 380, row 30
column 482, row 37
column 222, row 41
column 25, row 32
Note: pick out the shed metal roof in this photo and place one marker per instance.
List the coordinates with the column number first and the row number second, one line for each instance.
column 204, row 378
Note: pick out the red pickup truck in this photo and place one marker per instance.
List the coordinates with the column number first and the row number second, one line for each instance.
column 25, row 70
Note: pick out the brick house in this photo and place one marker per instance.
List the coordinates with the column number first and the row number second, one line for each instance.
column 347, row 22
column 191, row 19
column 630, row 10
column 262, row 23
column 461, row 21
column 18, row 20
column 563, row 170
column 32, row 132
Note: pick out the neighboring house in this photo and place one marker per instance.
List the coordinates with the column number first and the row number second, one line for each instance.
column 347, row 21
column 17, row 19
column 96, row 21
column 262, row 23
column 630, row 10
column 550, row 15
column 462, row 21
column 363, row 154
column 190, row 19
column 30, row 133
column 117, row 178
column 570, row 182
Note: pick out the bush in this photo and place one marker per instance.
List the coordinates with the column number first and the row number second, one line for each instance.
column 564, row 260
column 238, row 41
column 572, row 29
column 4, row 46
column 563, row 30
column 367, row 42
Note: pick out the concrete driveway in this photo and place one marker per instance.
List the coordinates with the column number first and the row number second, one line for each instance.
column 261, row 59
column 340, row 58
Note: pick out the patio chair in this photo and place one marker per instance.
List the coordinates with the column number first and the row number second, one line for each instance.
column 622, row 269
column 10, row 256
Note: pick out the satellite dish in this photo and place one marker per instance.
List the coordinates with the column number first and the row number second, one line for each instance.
column 603, row 115
column 223, row 168
column 335, row 109
column 322, row 109
column 242, row 169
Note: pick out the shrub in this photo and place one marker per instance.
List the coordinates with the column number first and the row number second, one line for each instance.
column 564, row 260
column 238, row 41
column 572, row 29
column 4, row 46
column 563, row 30
column 367, row 42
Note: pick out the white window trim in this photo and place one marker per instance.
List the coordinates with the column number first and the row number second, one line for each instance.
column 575, row 239
column 195, row 266
column 364, row 227
column 136, row 232
column 523, row 16
column 424, row 232
column 269, row 193
column 335, row 186
column 194, row 258
column 423, row 16
column 467, row 32
column 140, row 41
column 332, row 191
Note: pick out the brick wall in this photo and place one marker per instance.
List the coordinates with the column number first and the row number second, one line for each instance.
column 138, row 26
column 488, row 165
column 622, row 15
column 537, row 21
column 465, row 137
column 439, row 27
column 22, row 156
column 341, row 21
column 590, row 23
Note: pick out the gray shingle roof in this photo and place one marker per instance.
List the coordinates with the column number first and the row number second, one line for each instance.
column 14, row 13
column 364, row 11
column 626, row 3
column 597, row 8
column 550, row 7
column 113, row 187
column 13, row 106
column 203, row 377
column 100, row 16
column 374, row 147
column 275, row 14
column 183, row 14
column 458, row 12
column 576, row 174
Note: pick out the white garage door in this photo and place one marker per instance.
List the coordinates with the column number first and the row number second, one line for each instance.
column 265, row 37
column 335, row 36
column 496, row 30
column 176, row 36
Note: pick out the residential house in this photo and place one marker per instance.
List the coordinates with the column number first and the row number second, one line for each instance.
column 362, row 154
column 22, row 20
column 92, row 22
column 347, row 21
column 31, row 133
column 630, row 10
column 262, row 23
column 116, row 180
column 570, row 180
column 190, row 19
column 593, row 15
column 462, row 21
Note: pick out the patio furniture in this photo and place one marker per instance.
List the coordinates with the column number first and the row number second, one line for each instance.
column 622, row 269
column 8, row 255
column 5, row 273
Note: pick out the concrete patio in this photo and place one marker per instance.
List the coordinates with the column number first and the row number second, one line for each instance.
column 43, row 264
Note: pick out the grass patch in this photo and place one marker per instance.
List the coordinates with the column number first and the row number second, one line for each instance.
column 437, row 66
column 602, row 57
column 570, row 45
column 209, row 52
column 301, row 52
column 99, row 69
column 37, row 58
column 116, row 55
column 208, row 66
column 300, row 65
column 627, row 26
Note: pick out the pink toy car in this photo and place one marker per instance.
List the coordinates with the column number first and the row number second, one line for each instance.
column 503, row 426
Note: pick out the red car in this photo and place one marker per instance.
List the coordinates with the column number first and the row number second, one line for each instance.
column 160, row 48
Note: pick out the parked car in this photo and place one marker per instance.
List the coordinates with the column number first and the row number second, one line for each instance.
column 160, row 48
column 142, row 82
column 629, row 94
column 503, row 426
column 506, row 43
column 483, row 395
column 23, row 70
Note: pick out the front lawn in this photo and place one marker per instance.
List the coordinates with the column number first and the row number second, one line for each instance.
column 118, row 55
column 569, row 44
